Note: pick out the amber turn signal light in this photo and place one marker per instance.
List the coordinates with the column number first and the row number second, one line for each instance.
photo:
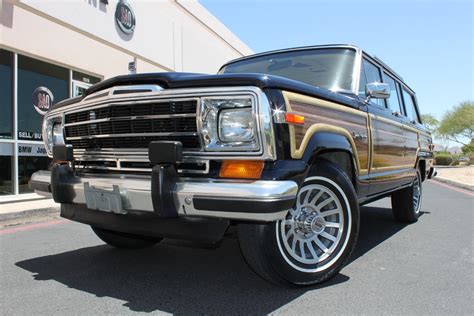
column 291, row 118
column 241, row 169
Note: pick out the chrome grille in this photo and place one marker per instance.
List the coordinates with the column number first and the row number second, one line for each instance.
column 133, row 125
column 130, row 110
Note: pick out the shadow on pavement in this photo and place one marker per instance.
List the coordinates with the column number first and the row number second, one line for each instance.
column 376, row 225
column 184, row 280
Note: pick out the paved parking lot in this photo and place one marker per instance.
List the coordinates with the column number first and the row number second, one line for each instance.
column 60, row 267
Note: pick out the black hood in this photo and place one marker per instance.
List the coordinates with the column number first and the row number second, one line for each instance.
column 176, row 80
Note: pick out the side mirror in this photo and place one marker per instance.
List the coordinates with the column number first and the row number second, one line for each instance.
column 377, row 90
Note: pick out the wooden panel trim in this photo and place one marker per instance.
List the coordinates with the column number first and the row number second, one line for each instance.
column 295, row 97
column 297, row 153
column 386, row 120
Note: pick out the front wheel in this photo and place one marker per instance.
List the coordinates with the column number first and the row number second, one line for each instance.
column 124, row 240
column 316, row 238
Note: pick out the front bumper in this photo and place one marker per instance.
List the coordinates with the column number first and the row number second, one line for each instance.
column 259, row 200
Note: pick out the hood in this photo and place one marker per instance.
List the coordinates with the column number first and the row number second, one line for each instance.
column 176, row 80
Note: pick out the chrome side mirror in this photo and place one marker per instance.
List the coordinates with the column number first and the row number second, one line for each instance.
column 377, row 90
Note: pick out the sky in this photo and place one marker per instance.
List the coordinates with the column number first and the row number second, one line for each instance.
column 428, row 43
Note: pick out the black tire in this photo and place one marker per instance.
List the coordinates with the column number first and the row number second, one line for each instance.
column 406, row 203
column 266, row 247
column 124, row 240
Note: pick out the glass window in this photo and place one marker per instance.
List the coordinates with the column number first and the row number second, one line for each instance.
column 6, row 94
column 6, row 185
column 372, row 74
column 326, row 68
column 410, row 106
column 32, row 157
column 33, row 74
column 362, row 83
column 394, row 100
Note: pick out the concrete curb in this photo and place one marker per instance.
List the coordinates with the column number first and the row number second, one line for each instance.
column 26, row 214
column 455, row 183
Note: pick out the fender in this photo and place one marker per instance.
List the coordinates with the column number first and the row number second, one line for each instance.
column 320, row 138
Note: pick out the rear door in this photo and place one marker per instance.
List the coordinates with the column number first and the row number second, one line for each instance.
column 410, row 130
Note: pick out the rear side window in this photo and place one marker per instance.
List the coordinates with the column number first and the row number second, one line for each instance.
column 394, row 101
column 410, row 107
column 372, row 74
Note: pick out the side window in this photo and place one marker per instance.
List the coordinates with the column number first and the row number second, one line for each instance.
column 394, row 100
column 372, row 74
column 410, row 106
column 362, row 83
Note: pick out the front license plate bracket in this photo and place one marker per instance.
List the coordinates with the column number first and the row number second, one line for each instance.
column 104, row 200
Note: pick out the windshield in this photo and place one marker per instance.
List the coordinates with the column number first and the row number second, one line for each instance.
column 329, row 68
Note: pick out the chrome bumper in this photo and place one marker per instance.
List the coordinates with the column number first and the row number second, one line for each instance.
column 259, row 200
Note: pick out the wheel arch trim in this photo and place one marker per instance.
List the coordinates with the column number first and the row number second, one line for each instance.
column 312, row 146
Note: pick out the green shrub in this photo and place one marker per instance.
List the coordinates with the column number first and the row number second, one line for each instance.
column 443, row 159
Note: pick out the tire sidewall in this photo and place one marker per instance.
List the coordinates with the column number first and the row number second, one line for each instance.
column 417, row 211
column 348, row 198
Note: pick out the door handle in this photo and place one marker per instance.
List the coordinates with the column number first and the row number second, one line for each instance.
column 396, row 113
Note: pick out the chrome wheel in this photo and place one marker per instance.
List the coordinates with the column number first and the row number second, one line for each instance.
column 417, row 194
column 313, row 230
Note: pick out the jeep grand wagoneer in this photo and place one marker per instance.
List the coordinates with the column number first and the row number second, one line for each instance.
column 286, row 145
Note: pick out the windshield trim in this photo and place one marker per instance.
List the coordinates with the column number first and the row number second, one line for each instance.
column 355, row 71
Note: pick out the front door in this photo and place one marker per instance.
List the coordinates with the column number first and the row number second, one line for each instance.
column 388, row 143
column 386, row 166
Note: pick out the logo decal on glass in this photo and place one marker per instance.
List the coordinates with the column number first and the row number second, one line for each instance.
column 42, row 100
column 124, row 17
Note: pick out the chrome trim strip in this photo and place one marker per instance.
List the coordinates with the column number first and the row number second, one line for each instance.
column 132, row 135
column 120, row 168
column 110, row 91
column 120, row 101
column 136, row 193
column 131, row 118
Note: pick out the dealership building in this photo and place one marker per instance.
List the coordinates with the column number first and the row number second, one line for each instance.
column 53, row 50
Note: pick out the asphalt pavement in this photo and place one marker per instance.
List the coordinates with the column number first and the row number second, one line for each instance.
column 60, row 267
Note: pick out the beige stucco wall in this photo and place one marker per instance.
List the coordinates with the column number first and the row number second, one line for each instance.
column 82, row 35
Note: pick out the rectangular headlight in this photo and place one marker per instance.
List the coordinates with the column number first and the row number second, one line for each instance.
column 52, row 133
column 236, row 125
column 229, row 123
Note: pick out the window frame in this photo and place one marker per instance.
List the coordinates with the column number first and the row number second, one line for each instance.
column 15, row 141
column 398, row 90
column 414, row 103
column 364, row 72
column 11, row 106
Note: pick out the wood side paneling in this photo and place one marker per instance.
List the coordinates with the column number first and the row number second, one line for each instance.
column 337, row 116
column 411, row 146
column 388, row 145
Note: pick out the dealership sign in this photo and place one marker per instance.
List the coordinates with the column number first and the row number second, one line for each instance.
column 42, row 100
column 124, row 17
column 31, row 150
